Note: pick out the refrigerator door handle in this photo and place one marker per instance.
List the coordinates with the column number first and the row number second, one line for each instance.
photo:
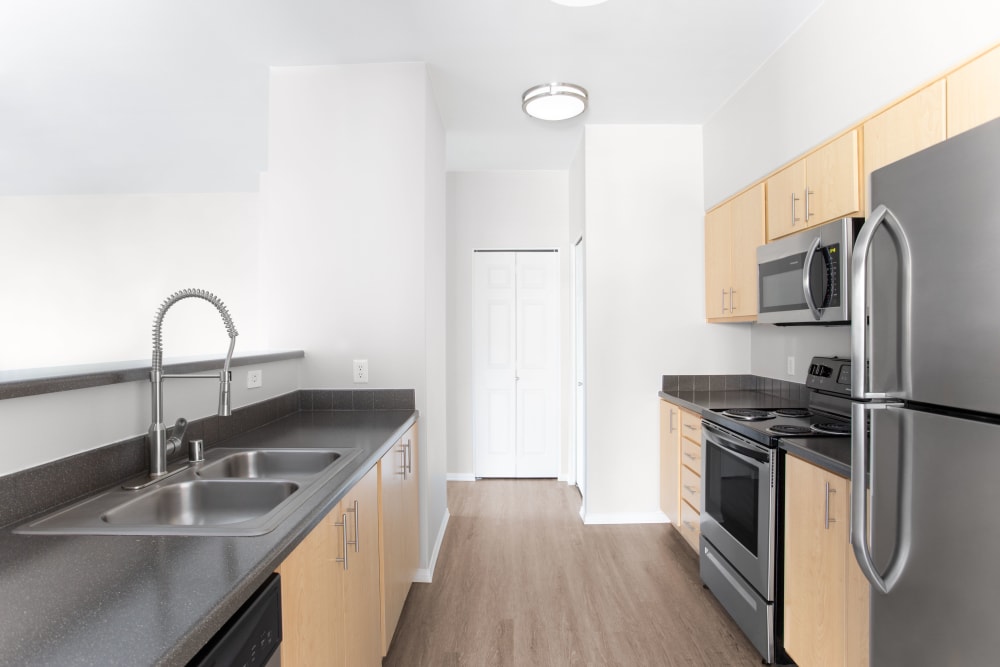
column 859, row 505
column 806, row 269
column 859, row 303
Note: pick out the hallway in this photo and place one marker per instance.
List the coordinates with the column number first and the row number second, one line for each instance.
column 521, row 581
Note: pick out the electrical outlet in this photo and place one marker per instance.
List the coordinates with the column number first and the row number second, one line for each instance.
column 791, row 365
column 255, row 379
column 360, row 371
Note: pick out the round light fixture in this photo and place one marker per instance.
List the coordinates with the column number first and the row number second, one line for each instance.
column 554, row 101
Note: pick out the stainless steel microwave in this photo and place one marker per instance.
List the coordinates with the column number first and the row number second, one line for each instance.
column 805, row 278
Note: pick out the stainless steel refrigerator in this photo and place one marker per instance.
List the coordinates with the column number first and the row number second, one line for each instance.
column 925, row 338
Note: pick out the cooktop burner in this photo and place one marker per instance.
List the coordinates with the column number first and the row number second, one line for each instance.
column 748, row 415
column 789, row 429
column 832, row 428
column 792, row 412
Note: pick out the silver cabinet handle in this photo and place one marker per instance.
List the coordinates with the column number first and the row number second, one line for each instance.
column 344, row 526
column 672, row 427
column 732, row 304
column 794, row 199
column 402, row 467
column 806, row 278
column 859, row 303
column 690, row 427
column 723, row 300
column 808, row 214
column 691, row 489
column 690, row 456
column 826, row 509
column 357, row 518
column 409, row 457
column 689, row 525
column 859, row 504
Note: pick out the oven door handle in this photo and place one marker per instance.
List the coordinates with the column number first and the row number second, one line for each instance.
column 748, row 453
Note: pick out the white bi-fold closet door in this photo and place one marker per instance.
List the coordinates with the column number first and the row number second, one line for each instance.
column 516, row 409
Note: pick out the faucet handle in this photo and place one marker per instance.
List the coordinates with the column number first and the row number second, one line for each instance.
column 196, row 450
column 177, row 437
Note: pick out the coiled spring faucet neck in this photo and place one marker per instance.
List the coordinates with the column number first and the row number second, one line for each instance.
column 159, row 446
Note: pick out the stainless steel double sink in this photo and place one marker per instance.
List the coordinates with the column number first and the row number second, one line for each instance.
column 233, row 492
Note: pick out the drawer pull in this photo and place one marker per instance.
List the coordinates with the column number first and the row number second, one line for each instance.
column 826, row 510
column 690, row 525
column 691, row 489
column 690, row 456
column 690, row 427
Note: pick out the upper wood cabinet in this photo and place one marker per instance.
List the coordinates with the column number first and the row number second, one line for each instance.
column 732, row 233
column 822, row 186
column 826, row 595
column 974, row 93
column 905, row 128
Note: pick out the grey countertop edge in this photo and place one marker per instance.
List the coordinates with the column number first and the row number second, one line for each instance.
column 832, row 454
column 309, row 517
column 178, row 643
column 34, row 381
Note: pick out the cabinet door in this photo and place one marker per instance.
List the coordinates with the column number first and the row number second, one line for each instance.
column 974, row 93
column 311, row 599
column 718, row 261
column 670, row 442
column 905, row 128
column 833, row 180
column 410, row 511
column 391, row 546
column 785, row 208
column 747, row 234
column 815, row 565
column 362, row 616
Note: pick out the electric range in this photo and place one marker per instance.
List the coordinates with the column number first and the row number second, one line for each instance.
column 741, row 497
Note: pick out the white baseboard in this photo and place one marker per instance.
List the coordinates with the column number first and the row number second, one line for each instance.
column 426, row 575
column 461, row 477
column 594, row 519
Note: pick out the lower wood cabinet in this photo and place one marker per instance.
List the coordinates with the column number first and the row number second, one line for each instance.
column 680, row 469
column 330, row 586
column 400, row 520
column 344, row 585
column 826, row 595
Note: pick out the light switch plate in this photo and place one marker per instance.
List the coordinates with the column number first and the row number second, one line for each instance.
column 791, row 365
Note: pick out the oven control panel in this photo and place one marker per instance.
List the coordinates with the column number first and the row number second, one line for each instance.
column 830, row 374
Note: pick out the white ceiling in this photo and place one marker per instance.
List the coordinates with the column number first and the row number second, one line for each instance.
column 171, row 95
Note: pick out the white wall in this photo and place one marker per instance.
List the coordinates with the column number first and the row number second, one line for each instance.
column 499, row 210
column 645, row 275
column 851, row 58
column 83, row 276
column 847, row 60
column 48, row 427
column 352, row 238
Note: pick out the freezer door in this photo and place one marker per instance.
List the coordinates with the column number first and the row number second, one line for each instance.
column 947, row 203
column 934, row 503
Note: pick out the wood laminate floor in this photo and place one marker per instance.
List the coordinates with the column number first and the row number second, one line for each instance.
column 521, row 581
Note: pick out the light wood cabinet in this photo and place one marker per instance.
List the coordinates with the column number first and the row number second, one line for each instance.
column 400, row 530
column 732, row 233
column 690, row 482
column 905, row 128
column 974, row 93
column 362, row 602
column 822, row 186
column 825, row 601
column 670, row 444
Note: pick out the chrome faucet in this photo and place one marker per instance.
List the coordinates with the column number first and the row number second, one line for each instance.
column 160, row 447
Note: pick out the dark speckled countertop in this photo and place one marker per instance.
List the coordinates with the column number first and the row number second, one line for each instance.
column 110, row 600
column 829, row 453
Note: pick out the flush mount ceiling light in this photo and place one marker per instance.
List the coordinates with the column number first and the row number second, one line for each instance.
column 554, row 101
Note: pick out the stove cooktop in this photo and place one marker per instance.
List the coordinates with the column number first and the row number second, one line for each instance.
column 767, row 425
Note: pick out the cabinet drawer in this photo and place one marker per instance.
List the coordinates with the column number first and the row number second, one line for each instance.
column 690, row 487
column 690, row 525
column 691, row 426
column 691, row 455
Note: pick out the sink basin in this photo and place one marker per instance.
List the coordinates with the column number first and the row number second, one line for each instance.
column 202, row 503
column 232, row 492
column 289, row 464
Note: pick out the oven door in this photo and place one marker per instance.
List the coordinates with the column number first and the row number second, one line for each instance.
column 738, row 504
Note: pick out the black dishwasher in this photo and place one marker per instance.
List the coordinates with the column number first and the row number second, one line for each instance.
column 252, row 636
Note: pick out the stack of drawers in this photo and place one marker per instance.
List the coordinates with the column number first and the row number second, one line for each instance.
column 690, row 478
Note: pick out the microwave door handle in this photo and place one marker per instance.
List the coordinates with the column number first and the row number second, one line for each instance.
column 806, row 282
column 859, row 303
